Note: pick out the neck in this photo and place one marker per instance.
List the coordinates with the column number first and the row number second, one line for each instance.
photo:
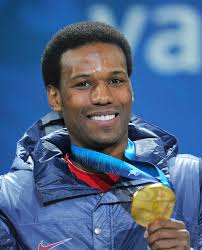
column 117, row 152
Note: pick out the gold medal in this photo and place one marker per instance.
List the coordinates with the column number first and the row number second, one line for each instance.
column 151, row 203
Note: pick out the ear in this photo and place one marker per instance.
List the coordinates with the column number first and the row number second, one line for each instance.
column 54, row 98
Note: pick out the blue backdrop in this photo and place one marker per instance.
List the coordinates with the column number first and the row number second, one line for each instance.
column 166, row 40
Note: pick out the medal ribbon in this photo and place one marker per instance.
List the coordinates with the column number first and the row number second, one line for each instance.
column 108, row 164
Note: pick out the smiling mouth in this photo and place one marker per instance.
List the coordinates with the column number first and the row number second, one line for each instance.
column 103, row 117
column 108, row 116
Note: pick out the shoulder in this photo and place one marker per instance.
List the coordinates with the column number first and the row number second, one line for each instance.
column 185, row 171
column 13, row 186
column 185, row 158
column 184, row 162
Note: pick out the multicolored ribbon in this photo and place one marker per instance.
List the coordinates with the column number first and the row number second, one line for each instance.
column 152, row 202
column 108, row 164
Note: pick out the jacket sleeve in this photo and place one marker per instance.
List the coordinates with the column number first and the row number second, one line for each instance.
column 7, row 238
column 186, row 175
column 8, row 234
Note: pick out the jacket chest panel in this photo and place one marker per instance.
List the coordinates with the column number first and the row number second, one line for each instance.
column 88, row 222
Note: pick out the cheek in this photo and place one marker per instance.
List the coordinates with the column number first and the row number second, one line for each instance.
column 124, row 97
column 73, row 104
column 78, row 97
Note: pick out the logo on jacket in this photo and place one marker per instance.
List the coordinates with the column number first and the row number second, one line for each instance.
column 133, row 172
column 51, row 246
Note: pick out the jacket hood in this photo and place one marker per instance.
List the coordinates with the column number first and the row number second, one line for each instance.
column 48, row 134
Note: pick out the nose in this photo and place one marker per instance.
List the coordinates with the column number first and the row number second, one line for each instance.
column 101, row 94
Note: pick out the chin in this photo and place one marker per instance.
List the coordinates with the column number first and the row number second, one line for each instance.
column 102, row 143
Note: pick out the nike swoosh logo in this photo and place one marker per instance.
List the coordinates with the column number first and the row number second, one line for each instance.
column 51, row 246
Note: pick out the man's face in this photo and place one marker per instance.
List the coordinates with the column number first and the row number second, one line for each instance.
column 95, row 95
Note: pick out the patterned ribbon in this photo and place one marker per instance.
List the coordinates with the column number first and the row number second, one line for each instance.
column 108, row 164
column 151, row 202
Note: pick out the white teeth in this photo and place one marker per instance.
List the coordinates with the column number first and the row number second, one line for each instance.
column 103, row 117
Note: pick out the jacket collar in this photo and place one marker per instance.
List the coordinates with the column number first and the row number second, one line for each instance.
column 55, row 182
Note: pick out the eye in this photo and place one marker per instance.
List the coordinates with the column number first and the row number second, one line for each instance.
column 115, row 81
column 83, row 85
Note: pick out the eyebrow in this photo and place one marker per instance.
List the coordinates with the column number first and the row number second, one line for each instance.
column 116, row 72
column 80, row 76
column 119, row 72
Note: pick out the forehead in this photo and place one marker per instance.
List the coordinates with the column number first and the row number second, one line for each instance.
column 96, row 55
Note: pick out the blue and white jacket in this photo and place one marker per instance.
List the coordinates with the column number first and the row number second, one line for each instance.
column 43, row 205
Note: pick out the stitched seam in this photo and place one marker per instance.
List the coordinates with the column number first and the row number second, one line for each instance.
column 190, row 157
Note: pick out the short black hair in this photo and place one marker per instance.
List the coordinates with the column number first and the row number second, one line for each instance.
column 74, row 36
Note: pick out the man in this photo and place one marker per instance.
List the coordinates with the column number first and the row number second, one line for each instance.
column 56, row 198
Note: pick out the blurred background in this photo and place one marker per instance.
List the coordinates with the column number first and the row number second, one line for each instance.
column 165, row 37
